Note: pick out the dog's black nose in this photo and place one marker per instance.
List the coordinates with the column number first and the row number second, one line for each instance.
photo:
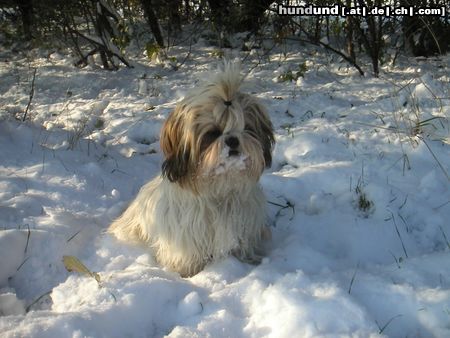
column 232, row 142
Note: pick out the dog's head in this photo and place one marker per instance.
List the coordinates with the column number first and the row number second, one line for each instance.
column 217, row 132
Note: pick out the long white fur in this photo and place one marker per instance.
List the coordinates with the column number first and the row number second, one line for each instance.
column 188, row 229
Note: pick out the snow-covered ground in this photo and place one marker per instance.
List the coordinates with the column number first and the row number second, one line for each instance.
column 358, row 200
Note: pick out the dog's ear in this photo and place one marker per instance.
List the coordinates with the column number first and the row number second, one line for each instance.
column 176, row 167
column 171, row 134
column 265, row 132
column 268, row 143
column 176, row 153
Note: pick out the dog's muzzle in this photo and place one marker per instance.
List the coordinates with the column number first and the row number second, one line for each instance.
column 233, row 143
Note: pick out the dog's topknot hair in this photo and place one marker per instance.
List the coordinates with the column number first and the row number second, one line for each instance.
column 222, row 86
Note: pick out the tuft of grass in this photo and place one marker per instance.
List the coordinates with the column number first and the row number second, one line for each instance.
column 288, row 127
column 293, row 75
column 217, row 53
column 77, row 133
column 413, row 125
column 152, row 50
column 362, row 202
column 419, row 126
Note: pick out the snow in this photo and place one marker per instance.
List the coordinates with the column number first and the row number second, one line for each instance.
column 358, row 202
column 227, row 162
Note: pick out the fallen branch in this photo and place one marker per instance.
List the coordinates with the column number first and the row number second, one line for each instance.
column 83, row 61
column 100, row 46
column 327, row 46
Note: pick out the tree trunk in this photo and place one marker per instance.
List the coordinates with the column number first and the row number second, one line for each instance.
column 220, row 12
column 174, row 24
column 372, row 38
column 349, row 34
column 26, row 10
column 221, row 16
column 253, row 15
column 152, row 21
column 318, row 28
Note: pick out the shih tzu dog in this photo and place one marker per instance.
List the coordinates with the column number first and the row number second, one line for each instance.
column 207, row 203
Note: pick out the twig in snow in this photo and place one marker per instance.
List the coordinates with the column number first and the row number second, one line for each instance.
column 187, row 56
column 24, row 261
column 387, row 324
column 73, row 236
column 28, row 308
column 435, row 158
column 28, row 239
column 282, row 207
column 398, row 234
column 353, row 279
column 31, row 95
column 445, row 237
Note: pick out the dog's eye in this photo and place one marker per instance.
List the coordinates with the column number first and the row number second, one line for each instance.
column 249, row 129
column 210, row 137
column 213, row 134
